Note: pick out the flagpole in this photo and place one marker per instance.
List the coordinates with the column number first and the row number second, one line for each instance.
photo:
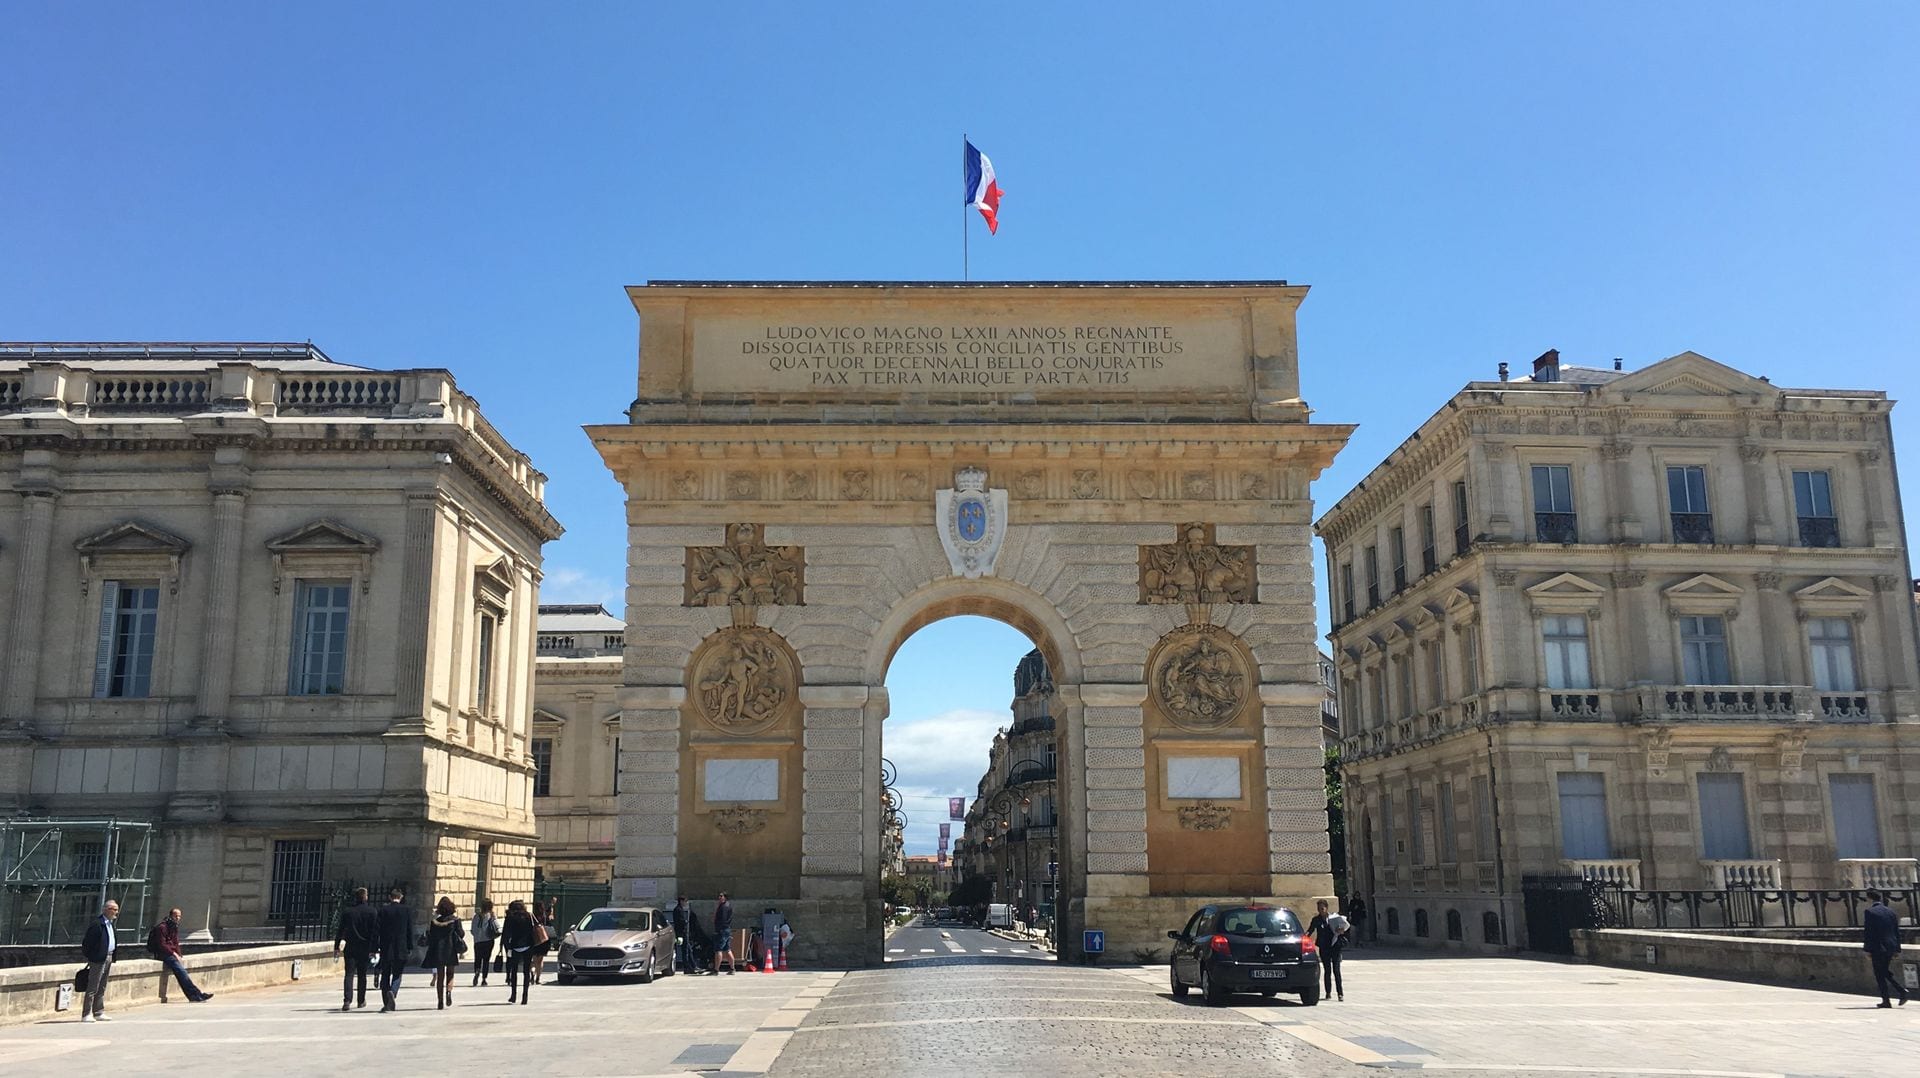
column 966, row 266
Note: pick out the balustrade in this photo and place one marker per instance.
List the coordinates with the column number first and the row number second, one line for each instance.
column 159, row 394
column 1611, row 871
column 1846, row 706
column 1728, row 874
column 308, row 394
column 1556, row 528
column 1725, row 702
column 1575, row 704
column 1693, row 528
column 11, row 392
column 1880, row 873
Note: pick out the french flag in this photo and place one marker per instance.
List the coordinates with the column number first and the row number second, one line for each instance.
column 983, row 191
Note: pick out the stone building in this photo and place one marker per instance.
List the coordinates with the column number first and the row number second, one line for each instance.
column 1650, row 627
column 576, row 740
column 1330, row 702
column 278, row 605
column 1012, row 830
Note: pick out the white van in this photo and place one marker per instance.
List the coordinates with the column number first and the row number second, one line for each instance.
column 1000, row 915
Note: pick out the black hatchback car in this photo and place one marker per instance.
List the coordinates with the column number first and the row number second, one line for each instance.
column 1228, row 949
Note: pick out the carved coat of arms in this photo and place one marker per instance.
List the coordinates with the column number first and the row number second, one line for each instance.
column 973, row 523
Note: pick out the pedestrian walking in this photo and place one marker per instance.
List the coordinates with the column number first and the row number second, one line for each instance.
column 446, row 942
column 396, row 943
column 542, row 938
column 97, row 946
column 723, row 935
column 359, row 932
column 486, row 929
column 681, row 939
column 1329, row 931
column 163, row 943
column 516, row 938
column 1881, row 928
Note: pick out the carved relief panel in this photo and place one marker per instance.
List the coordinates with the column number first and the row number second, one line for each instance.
column 1197, row 570
column 1200, row 677
column 746, row 571
column 743, row 680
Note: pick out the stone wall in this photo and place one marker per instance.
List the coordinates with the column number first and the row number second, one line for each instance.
column 1835, row 967
column 29, row 993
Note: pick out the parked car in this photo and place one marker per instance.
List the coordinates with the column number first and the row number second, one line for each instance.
column 618, row 941
column 1228, row 949
column 945, row 913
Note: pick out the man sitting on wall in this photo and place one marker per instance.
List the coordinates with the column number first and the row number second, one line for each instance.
column 163, row 943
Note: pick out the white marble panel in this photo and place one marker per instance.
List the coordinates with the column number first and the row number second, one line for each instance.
column 1203, row 776
column 742, row 780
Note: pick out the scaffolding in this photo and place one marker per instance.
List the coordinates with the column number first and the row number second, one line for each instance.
column 56, row 874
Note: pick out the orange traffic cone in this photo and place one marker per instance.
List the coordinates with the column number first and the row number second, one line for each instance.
column 766, row 960
column 783, row 959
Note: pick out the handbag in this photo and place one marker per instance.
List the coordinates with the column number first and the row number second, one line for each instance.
column 500, row 961
column 539, row 933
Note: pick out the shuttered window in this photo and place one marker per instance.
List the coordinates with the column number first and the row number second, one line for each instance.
column 1856, row 819
column 1723, row 817
column 1583, row 816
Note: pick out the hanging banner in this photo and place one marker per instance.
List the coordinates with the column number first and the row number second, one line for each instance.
column 956, row 808
column 946, row 832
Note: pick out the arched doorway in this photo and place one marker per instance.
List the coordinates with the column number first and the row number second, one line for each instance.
column 815, row 471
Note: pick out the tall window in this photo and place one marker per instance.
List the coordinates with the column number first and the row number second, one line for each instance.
column 1831, row 642
column 1373, row 577
column 483, row 676
column 1379, row 695
column 1553, row 519
column 543, row 767
column 1416, row 834
column 1687, row 504
column 89, row 861
column 616, row 765
column 1482, row 818
column 1723, row 817
column 1470, row 659
column 319, row 637
column 129, row 623
column 1429, row 558
column 1462, row 531
column 1436, row 673
column 1813, row 504
column 1397, row 546
column 1386, row 828
column 1346, row 591
column 1449, row 840
column 1856, row 819
column 1564, row 639
column 1583, row 816
column 1403, row 676
column 298, row 867
column 1703, row 651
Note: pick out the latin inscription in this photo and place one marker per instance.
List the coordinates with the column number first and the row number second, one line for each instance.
column 985, row 357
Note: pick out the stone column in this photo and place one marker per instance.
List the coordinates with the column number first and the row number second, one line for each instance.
column 410, row 689
column 1295, row 780
column 1484, row 461
column 1629, row 588
column 1879, row 529
column 29, row 612
column 1625, row 525
column 1760, row 526
column 1114, row 778
column 1779, row 628
column 840, row 819
column 230, row 487
column 646, row 843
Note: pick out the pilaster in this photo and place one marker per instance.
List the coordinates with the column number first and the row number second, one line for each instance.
column 230, row 484
column 30, row 592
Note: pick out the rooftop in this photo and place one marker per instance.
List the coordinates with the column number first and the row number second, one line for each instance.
column 965, row 284
column 171, row 355
column 578, row 618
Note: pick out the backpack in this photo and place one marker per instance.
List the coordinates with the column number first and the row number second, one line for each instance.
column 154, row 946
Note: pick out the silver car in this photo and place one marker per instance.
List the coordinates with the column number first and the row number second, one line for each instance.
column 618, row 941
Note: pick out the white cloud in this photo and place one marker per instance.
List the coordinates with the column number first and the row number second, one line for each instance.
column 938, row 757
column 564, row 584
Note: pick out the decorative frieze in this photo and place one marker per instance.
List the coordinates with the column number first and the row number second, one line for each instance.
column 1205, row 816
column 740, row 820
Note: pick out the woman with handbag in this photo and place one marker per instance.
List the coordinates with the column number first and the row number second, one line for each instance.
column 542, row 938
column 486, row 929
column 516, row 939
column 446, row 942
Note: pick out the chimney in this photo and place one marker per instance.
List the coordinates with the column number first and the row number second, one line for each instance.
column 1547, row 367
column 1616, row 363
column 1503, row 371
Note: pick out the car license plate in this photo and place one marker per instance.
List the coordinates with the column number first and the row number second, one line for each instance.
column 597, row 962
column 1268, row 974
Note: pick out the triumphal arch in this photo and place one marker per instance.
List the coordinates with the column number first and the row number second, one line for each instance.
column 1119, row 470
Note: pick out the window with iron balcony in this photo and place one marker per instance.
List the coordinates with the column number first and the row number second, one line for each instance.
column 1429, row 557
column 1553, row 517
column 1397, row 543
column 1813, row 504
column 1462, row 532
column 1373, row 577
column 1687, row 504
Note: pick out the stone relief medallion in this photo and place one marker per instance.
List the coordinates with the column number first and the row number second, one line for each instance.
column 1196, row 570
column 746, row 572
column 744, row 680
column 1200, row 677
column 1205, row 816
column 740, row 820
column 973, row 523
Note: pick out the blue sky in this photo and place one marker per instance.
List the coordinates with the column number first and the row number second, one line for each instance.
column 471, row 185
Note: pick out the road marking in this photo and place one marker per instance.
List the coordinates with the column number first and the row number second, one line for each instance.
column 926, row 950
column 989, row 950
column 998, row 1019
column 955, row 948
column 896, row 950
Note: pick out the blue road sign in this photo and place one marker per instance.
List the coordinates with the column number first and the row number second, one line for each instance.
column 1096, row 942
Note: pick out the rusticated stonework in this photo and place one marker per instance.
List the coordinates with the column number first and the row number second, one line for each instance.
column 744, row 680
column 1200, row 677
column 746, row 572
column 1196, row 570
column 1205, row 816
column 740, row 820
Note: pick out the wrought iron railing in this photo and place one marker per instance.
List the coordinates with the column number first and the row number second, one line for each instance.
column 1693, row 528
column 1745, row 908
column 1819, row 531
column 1556, row 528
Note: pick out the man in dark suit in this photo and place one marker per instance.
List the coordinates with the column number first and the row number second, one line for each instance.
column 360, row 932
column 395, row 921
column 1881, row 927
column 97, row 946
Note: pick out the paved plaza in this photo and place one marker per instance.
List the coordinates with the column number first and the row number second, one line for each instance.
column 966, row 1012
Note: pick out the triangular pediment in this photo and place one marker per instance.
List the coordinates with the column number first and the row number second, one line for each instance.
column 1564, row 586
column 1394, row 631
column 1832, row 588
column 1705, row 585
column 611, row 720
column 324, row 537
column 543, row 717
column 132, row 537
column 1688, row 374
column 1425, row 614
column 1458, row 599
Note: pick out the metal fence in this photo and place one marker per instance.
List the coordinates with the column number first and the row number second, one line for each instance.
column 571, row 900
column 1745, row 908
column 56, row 874
column 310, row 912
